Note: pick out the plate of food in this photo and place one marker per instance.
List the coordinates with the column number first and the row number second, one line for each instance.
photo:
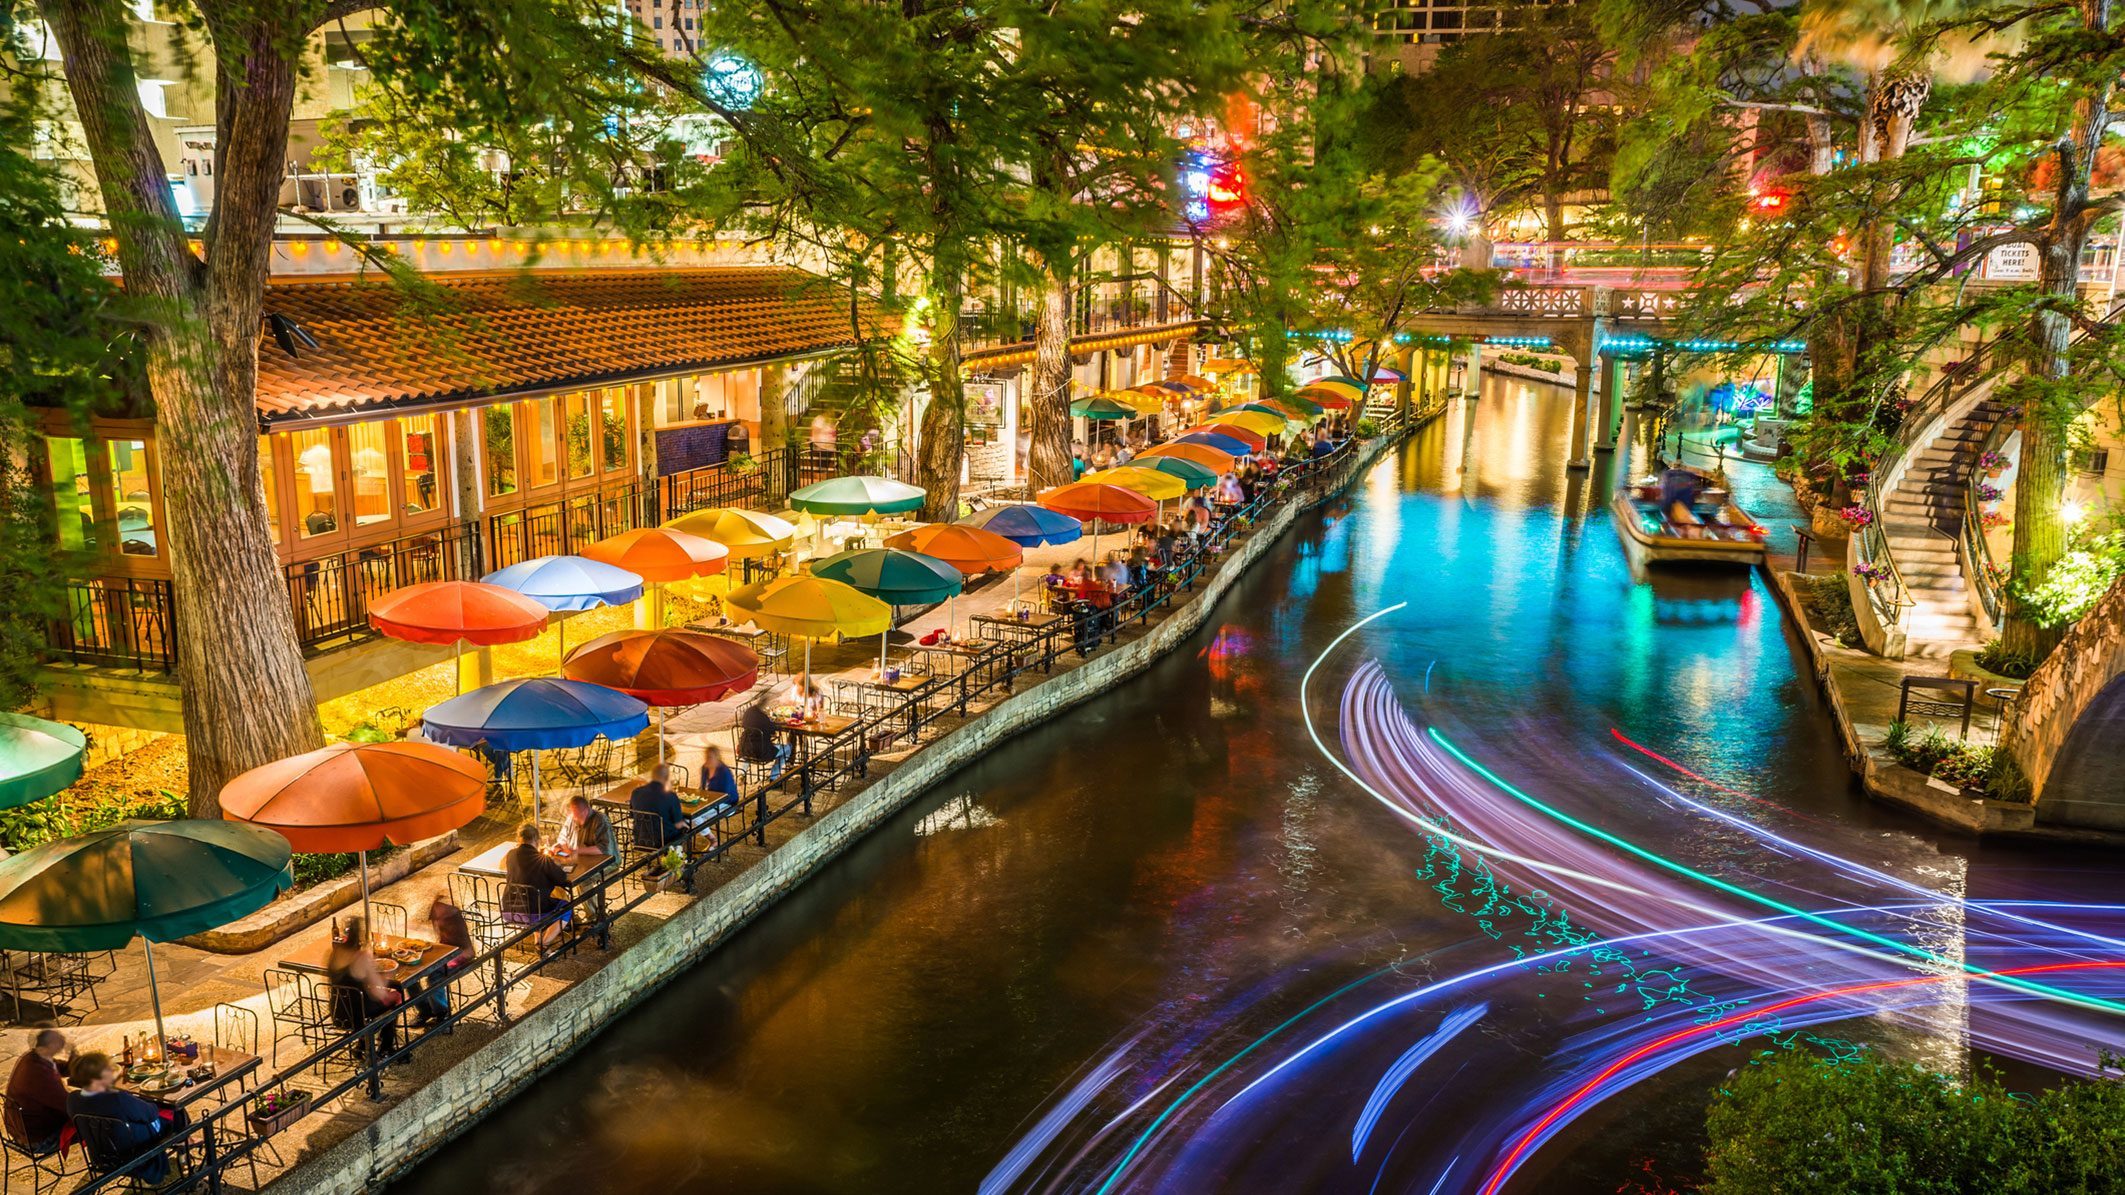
column 407, row 954
column 386, row 966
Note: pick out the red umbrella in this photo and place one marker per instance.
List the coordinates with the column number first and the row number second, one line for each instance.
column 360, row 797
column 665, row 668
column 1092, row 501
column 457, row 611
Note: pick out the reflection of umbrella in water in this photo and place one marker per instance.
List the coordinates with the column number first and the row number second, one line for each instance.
column 158, row 881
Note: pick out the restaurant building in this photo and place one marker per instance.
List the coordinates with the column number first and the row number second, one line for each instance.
column 491, row 414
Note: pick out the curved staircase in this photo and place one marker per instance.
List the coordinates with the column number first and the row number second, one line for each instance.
column 1922, row 526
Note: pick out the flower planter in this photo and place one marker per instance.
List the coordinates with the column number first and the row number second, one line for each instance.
column 265, row 1124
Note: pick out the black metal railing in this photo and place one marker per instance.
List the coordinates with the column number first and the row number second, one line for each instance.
column 331, row 594
column 355, row 1062
column 117, row 622
column 755, row 482
column 567, row 526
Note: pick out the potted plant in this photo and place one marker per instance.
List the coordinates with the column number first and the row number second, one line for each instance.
column 1857, row 484
column 1992, row 464
column 1872, row 574
column 1855, row 516
column 1989, row 493
column 273, row 1111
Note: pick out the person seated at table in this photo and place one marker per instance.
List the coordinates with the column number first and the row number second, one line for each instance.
column 1322, row 445
column 448, row 924
column 1199, row 516
column 1228, row 490
column 1163, row 545
column 805, row 695
column 1139, row 567
column 760, row 742
column 586, row 828
column 1054, row 582
column 360, row 994
column 137, row 1124
column 39, row 1094
column 1265, row 461
column 535, row 887
column 717, row 778
column 660, row 821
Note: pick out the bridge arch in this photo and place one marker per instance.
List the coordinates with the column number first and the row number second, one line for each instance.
column 2066, row 732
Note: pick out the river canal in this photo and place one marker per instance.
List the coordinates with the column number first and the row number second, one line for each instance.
column 1268, row 919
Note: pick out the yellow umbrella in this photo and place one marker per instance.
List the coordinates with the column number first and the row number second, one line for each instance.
column 1227, row 365
column 1342, row 390
column 1151, row 483
column 813, row 607
column 1261, row 423
column 748, row 534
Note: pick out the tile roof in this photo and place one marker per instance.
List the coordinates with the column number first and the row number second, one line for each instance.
column 471, row 337
column 1001, row 356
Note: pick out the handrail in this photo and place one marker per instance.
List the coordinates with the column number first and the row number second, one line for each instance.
column 220, row 1138
column 1981, row 573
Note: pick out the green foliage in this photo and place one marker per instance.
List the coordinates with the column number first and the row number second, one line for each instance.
column 1934, row 753
column 1829, row 603
column 1799, row 1121
column 1530, row 361
column 2093, row 562
column 1996, row 657
column 1366, row 429
column 83, row 809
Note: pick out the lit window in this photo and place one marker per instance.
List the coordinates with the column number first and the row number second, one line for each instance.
column 136, row 498
column 582, row 460
column 498, row 440
column 613, row 415
column 316, row 482
column 69, row 460
column 371, row 469
column 540, row 460
column 421, row 437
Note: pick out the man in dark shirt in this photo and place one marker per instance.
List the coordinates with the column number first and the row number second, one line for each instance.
column 131, row 1124
column 758, row 741
column 659, row 821
column 533, row 879
column 39, row 1094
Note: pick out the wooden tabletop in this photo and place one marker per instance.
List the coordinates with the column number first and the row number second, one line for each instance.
column 824, row 726
column 228, row 1065
column 1035, row 621
column 315, row 958
column 728, row 628
column 621, row 797
column 905, row 683
column 491, row 862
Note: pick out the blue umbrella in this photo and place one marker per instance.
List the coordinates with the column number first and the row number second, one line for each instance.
column 1028, row 525
column 568, row 582
column 526, row 715
column 1225, row 444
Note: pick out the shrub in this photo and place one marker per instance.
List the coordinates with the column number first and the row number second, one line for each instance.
column 1949, row 760
column 74, row 813
column 1367, row 429
column 1828, row 601
column 1994, row 657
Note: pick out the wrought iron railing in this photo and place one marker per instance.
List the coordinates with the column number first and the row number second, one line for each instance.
column 117, row 622
column 565, row 527
column 331, row 594
column 354, row 1063
column 755, row 482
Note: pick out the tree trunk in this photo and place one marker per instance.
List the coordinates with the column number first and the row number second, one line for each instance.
column 1048, row 460
column 247, row 698
column 937, row 457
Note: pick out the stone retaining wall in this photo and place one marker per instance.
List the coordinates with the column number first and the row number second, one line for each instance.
column 460, row 1097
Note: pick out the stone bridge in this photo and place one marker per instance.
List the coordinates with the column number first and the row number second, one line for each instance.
column 2064, row 731
column 1597, row 325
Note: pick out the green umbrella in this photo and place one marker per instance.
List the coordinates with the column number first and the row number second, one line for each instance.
column 155, row 880
column 856, row 496
column 1192, row 475
column 37, row 758
column 1103, row 408
column 894, row 576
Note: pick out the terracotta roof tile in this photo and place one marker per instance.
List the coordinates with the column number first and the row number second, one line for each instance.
column 488, row 335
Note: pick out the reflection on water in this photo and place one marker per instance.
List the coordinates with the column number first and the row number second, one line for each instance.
column 1018, row 978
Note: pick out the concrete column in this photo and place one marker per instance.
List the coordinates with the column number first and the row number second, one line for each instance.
column 1405, row 364
column 1583, row 416
column 1472, row 370
column 475, row 669
column 774, row 408
column 1611, row 403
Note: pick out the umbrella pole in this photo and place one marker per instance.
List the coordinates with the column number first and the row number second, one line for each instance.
column 368, row 917
column 881, row 652
column 538, row 803
column 660, row 736
column 162, row 1039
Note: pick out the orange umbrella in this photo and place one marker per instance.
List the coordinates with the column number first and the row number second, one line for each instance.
column 971, row 550
column 360, row 797
column 454, row 611
column 660, row 554
column 665, row 668
column 1233, row 431
column 1092, row 501
column 1202, row 454
column 1198, row 381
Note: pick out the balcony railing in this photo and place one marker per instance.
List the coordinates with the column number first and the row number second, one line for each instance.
column 331, row 594
column 117, row 622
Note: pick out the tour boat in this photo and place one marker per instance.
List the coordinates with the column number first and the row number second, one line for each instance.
column 1708, row 531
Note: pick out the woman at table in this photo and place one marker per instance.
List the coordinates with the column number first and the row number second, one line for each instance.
column 534, row 883
column 360, row 994
column 450, row 930
column 805, row 695
column 136, row 1123
column 1228, row 490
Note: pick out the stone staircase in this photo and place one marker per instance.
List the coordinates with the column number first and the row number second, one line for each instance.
column 1922, row 523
